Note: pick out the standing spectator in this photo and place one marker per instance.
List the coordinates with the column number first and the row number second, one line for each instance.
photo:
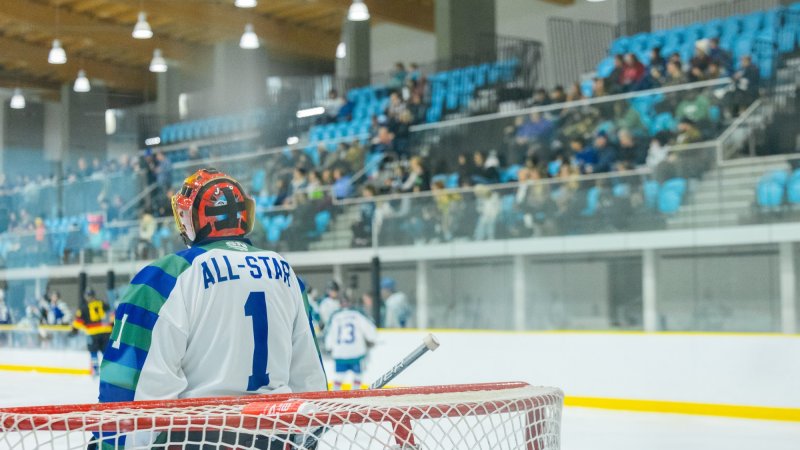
column 397, row 311
column 397, row 77
column 163, row 172
column 488, row 206
column 5, row 314
column 747, row 80
column 57, row 311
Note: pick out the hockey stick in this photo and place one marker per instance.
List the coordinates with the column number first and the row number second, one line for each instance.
column 429, row 343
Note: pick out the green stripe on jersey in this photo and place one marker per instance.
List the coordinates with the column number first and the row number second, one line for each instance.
column 172, row 264
column 146, row 297
column 119, row 375
column 134, row 335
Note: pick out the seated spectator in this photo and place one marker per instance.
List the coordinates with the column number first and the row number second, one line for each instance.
column 673, row 76
column 333, row 104
column 534, row 201
column 699, row 63
column 341, row 184
column 417, row 177
column 384, row 142
column 688, row 132
column 657, row 62
column 613, row 82
column 632, row 73
column 402, row 133
column 584, row 157
column 574, row 93
column 627, row 117
column 695, row 106
column 299, row 181
column 720, row 56
column 302, row 222
column 281, row 192
column 355, row 155
column 314, row 187
column 396, row 107
column 599, row 87
column 465, row 168
column 485, row 170
column 606, row 155
column 658, row 150
column 557, row 95
column 631, row 152
column 540, row 98
column 537, row 128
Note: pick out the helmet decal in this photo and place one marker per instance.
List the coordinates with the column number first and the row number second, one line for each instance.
column 211, row 204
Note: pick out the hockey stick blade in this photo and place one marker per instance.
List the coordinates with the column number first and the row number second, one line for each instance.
column 429, row 343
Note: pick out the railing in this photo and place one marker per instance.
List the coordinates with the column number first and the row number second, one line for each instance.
column 31, row 335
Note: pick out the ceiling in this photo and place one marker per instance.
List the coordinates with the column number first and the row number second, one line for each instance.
column 96, row 34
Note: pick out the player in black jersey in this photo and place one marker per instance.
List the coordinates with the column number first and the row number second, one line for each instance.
column 93, row 318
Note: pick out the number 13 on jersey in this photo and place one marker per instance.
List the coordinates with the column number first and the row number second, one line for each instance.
column 256, row 308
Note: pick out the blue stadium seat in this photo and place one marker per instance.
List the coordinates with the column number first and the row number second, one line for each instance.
column 452, row 181
column 650, row 189
column 793, row 188
column 321, row 221
column 510, row 174
column 713, row 28
column 620, row 45
column 769, row 193
column 605, row 67
column 663, row 122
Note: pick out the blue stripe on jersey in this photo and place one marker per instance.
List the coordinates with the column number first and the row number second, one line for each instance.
column 302, row 285
column 137, row 315
column 109, row 439
column 156, row 278
column 111, row 393
column 126, row 355
column 191, row 253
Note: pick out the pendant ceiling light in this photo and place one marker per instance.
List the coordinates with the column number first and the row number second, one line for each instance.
column 142, row 29
column 17, row 100
column 358, row 11
column 158, row 64
column 57, row 54
column 249, row 38
column 82, row 83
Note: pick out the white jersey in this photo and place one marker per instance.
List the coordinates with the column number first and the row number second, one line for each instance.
column 327, row 307
column 219, row 319
column 398, row 312
column 349, row 333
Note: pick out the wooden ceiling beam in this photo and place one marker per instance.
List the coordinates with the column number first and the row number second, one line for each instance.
column 276, row 34
column 410, row 14
column 32, row 59
column 101, row 34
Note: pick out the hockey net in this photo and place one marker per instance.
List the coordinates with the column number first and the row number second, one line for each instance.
column 477, row 416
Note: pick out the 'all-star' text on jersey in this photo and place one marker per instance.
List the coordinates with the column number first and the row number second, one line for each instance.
column 222, row 318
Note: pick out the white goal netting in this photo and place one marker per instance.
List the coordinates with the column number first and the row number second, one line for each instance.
column 484, row 416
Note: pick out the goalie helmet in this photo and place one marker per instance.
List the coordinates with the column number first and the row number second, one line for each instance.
column 212, row 205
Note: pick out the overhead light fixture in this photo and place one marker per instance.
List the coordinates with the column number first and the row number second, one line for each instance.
column 142, row 29
column 57, row 54
column 341, row 50
column 595, row 1
column 310, row 112
column 358, row 11
column 245, row 3
column 292, row 140
column 158, row 64
column 249, row 38
column 17, row 100
column 82, row 83
column 152, row 141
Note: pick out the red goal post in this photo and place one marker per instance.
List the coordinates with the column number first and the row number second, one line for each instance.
column 470, row 416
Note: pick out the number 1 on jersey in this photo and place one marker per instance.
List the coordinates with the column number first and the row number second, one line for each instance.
column 256, row 308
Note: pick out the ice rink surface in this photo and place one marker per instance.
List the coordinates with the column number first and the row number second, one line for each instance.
column 582, row 429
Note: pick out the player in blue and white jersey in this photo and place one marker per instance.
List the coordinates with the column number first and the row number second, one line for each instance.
column 219, row 318
column 349, row 335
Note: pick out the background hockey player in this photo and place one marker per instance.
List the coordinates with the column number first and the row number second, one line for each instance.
column 330, row 304
column 397, row 311
column 220, row 318
column 93, row 318
column 349, row 336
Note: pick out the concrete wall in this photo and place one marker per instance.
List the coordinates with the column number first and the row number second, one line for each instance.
column 392, row 43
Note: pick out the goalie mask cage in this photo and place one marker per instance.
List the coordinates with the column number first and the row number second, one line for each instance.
column 475, row 416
